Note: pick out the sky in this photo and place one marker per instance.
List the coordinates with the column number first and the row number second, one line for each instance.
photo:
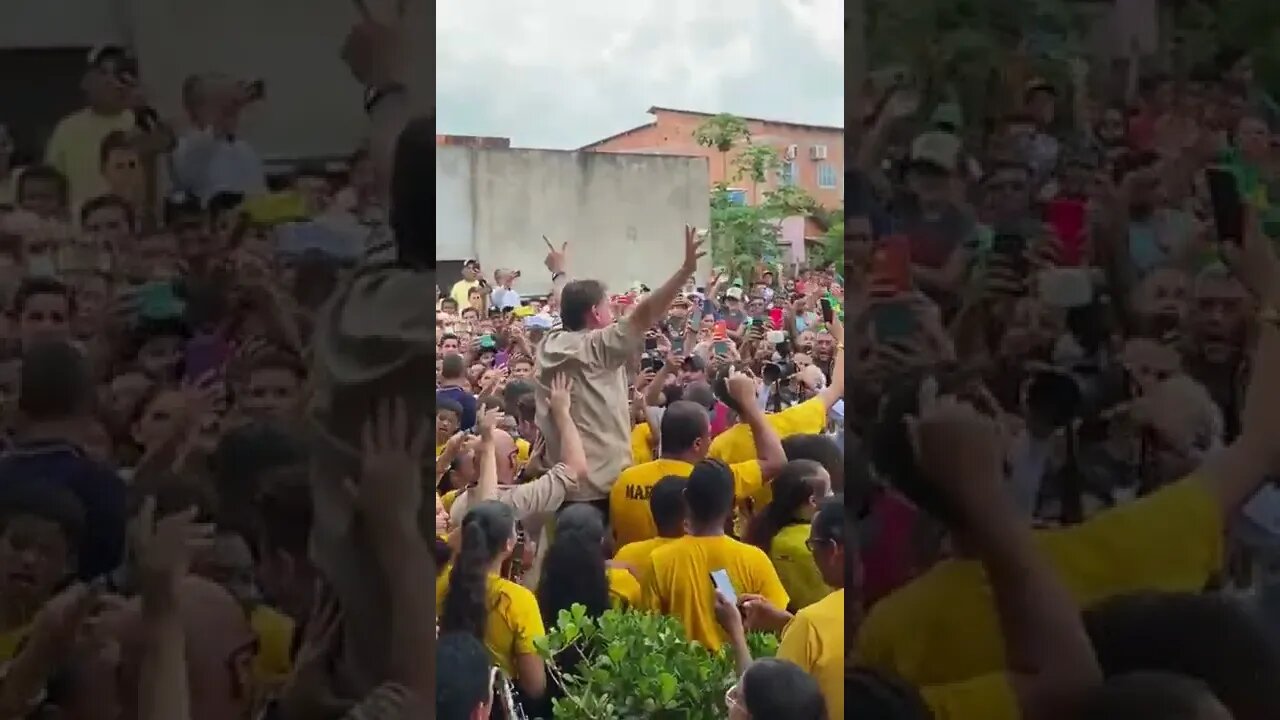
column 560, row 74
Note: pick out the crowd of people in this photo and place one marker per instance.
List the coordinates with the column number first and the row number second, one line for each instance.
column 193, row 424
column 674, row 449
column 1065, row 344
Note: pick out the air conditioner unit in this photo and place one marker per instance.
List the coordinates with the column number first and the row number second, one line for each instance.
column 791, row 152
column 818, row 152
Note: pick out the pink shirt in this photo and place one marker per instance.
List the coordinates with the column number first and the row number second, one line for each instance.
column 888, row 562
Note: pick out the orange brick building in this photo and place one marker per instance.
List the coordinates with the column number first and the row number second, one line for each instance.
column 813, row 155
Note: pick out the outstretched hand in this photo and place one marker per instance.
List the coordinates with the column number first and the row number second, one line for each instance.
column 693, row 251
column 555, row 259
column 389, row 495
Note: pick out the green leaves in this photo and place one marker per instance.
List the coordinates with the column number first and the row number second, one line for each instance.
column 637, row 666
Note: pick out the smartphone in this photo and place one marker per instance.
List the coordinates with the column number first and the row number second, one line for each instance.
column 1013, row 248
column 1228, row 208
column 893, row 321
column 775, row 318
column 720, row 581
column 720, row 347
column 827, row 314
column 650, row 344
column 891, row 266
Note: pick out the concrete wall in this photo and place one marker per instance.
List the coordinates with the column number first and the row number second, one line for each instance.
column 623, row 215
column 314, row 106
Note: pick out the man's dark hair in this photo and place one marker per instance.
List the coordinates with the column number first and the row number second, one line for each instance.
column 892, row 453
column 413, row 177
column 448, row 405
column 512, row 394
column 1211, row 638
column 821, row 449
column 47, row 501
column 683, row 424
column 103, row 202
column 447, row 336
column 462, row 675
column 774, row 688
column 709, row 493
column 700, row 393
column 285, row 512
column 37, row 173
column 577, row 299
column 245, row 455
column 452, row 367
column 666, row 502
column 34, row 286
column 55, row 384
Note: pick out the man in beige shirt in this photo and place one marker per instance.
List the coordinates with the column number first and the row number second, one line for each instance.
column 592, row 351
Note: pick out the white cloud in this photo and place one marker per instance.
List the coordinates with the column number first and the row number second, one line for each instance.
column 563, row 73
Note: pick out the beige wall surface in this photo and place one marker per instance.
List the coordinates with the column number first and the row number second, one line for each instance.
column 623, row 215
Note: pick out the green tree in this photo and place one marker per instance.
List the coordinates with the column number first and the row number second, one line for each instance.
column 723, row 133
column 831, row 252
column 756, row 163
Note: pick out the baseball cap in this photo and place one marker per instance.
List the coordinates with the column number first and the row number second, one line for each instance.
column 937, row 148
column 733, row 293
column 112, row 59
column 523, row 311
column 694, row 362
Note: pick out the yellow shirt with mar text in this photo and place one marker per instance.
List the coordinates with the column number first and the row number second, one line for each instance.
column 814, row 640
column 736, row 444
column 514, row 620
column 624, row 588
column 75, row 149
column 677, row 581
column 795, row 566
column 629, row 499
column 941, row 628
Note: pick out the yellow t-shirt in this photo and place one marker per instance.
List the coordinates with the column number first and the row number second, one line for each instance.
column 637, row 554
column 641, row 444
column 446, row 500
column 624, row 588
column 523, row 448
column 514, row 620
column 274, row 661
column 677, row 581
column 941, row 628
column 814, row 640
column 629, row 499
column 989, row 697
column 459, row 292
column 12, row 640
column 75, row 149
column 795, row 566
column 736, row 444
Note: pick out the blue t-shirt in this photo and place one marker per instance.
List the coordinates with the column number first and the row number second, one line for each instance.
column 463, row 398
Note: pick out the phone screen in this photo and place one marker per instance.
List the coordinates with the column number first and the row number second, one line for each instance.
column 720, row 347
column 827, row 314
column 720, row 579
column 650, row 344
column 1228, row 210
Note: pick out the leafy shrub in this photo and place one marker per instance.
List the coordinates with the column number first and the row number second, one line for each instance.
column 638, row 666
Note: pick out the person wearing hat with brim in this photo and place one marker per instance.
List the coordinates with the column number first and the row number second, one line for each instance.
column 470, row 278
column 937, row 228
column 113, row 103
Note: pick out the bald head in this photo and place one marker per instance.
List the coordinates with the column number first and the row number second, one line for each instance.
column 505, row 447
column 220, row 649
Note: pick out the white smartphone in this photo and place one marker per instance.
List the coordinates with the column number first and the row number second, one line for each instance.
column 720, row 579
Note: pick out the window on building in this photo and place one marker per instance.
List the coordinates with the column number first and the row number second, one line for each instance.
column 737, row 196
column 826, row 175
column 789, row 173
